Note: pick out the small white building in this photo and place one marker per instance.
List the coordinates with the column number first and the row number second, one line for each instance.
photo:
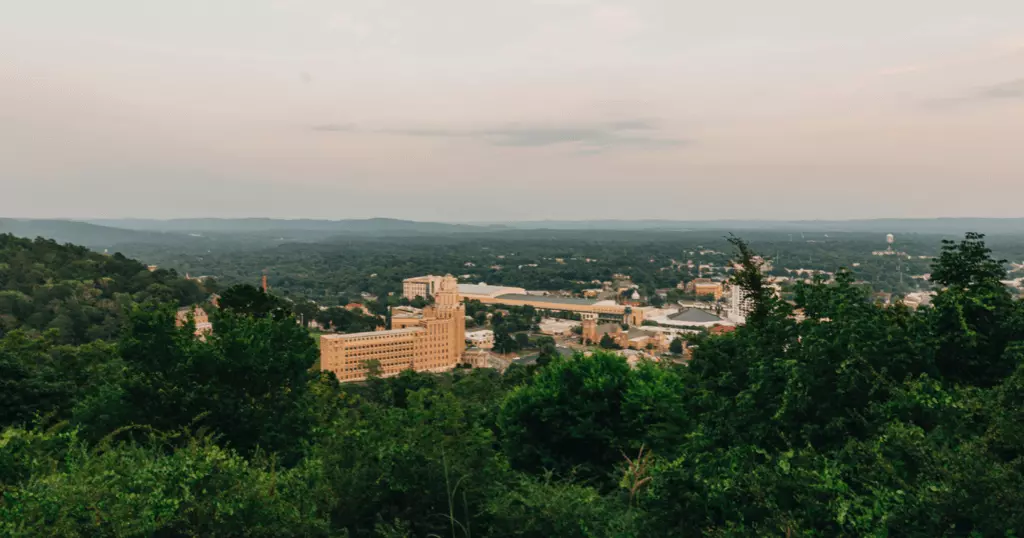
column 483, row 338
column 557, row 327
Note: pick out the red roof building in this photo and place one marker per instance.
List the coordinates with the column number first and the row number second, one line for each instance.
column 721, row 329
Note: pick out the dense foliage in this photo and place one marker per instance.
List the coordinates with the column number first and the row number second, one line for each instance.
column 859, row 420
column 44, row 285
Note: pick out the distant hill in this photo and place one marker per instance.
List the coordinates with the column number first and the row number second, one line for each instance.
column 293, row 229
column 221, row 233
column 928, row 226
column 80, row 233
column 264, row 225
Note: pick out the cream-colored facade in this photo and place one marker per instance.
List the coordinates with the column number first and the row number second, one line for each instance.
column 421, row 286
column 433, row 342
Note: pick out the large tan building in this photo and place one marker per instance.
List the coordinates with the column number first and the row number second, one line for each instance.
column 431, row 342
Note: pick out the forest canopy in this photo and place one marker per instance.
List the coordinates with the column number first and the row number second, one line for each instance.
column 81, row 294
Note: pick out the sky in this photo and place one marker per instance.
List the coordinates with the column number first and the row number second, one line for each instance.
column 488, row 110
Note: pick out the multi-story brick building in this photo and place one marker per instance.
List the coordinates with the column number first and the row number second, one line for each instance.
column 433, row 342
column 704, row 287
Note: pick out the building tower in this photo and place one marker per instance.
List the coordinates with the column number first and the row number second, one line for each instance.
column 740, row 304
column 445, row 324
column 263, row 284
column 589, row 328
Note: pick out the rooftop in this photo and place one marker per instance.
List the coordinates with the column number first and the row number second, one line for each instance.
column 392, row 332
column 631, row 333
column 484, row 289
column 694, row 315
column 532, row 358
column 547, row 299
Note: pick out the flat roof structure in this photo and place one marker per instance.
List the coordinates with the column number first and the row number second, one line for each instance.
column 631, row 315
column 548, row 299
column 472, row 291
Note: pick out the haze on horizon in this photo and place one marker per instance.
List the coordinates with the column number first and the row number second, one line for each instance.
column 473, row 110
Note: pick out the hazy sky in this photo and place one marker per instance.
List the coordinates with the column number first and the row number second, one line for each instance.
column 514, row 109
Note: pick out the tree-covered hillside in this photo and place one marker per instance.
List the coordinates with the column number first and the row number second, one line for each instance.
column 82, row 294
column 855, row 421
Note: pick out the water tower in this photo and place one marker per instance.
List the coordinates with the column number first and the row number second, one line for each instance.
column 889, row 239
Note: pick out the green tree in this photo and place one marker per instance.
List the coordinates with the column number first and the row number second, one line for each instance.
column 40, row 378
column 548, row 351
column 140, row 490
column 248, row 381
column 251, row 301
column 569, row 418
column 607, row 342
column 503, row 341
column 975, row 316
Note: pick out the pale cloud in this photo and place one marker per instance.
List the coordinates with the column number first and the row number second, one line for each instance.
column 592, row 137
column 993, row 94
column 1013, row 89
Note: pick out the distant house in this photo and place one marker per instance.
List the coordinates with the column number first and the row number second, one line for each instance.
column 483, row 338
column 557, row 327
column 356, row 307
column 199, row 316
column 634, row 338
